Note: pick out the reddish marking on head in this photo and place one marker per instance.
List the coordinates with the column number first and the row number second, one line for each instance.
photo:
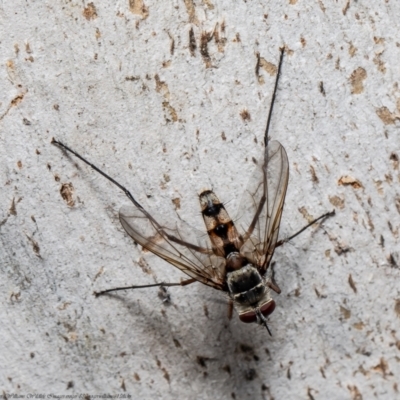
column 251, row 316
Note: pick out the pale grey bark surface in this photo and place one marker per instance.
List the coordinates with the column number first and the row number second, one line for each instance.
column 122, row 83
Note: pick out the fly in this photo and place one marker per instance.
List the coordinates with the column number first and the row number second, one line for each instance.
column 235, row 257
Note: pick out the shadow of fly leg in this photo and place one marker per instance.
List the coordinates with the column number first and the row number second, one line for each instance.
column 163, row 284
column 283, row 241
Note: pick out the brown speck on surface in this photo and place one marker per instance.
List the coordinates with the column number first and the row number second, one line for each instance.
column 161, row 86
column 19, row 164
column 387, row 117
column 136, row 376
column 395, row 159
column 355, row 393
column 227, row 369
column 309, row 394
column 166, row 374
column 177, row 203
column 245, row 348
column 176, row 343
column 171, row 110
column 56, row 177
column 98, row 34
column 250, row 374
column 172, row 44
column 270, row 68
column 321, row 88
column 90, row 12
column 314, row 176
column 192, row 43
column 245, row 115
column 144, row 265
column 349, row 181
column 352, row 284
column 306, row 214
column 352, row 49
column 341, row 249
column 123, row 387
column 236, row 39
column 70, row 385
column 303, row 42
column 356, row 80
column 337, row 201
column 223, row 137
column 26, row 121
column 397, row 203
column 204, row 40
column 322, row 372
column 138, row 7
column 13, row 210
column 202, row 361
column 67, row 191
column 322, row 6
column 346, row 7
column 379, row 63
column 35, row 246
column 37, row 152
column 382, row 367
column 99, row 273
column 191, row 10
column 14, row 102
column 56, row 107
column 359, row 326
column 219, row 38
column 345, row 312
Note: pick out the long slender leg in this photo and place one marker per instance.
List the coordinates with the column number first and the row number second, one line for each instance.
column 326, row 215
column 164, row 284
column 273, row 97
column 134, row 201
column 272, row 284
column 263, row 198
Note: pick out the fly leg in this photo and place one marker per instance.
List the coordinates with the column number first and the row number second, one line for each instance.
column 271, row 283
column 163, row 284
column 283, row 241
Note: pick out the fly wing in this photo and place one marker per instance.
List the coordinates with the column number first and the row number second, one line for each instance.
column 172, row 245
column 261, row 207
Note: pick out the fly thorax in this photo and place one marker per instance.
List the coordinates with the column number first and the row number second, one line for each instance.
column 246, row 285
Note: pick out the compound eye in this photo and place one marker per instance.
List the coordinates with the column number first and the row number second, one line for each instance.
column 248, row 317
column 268, row 308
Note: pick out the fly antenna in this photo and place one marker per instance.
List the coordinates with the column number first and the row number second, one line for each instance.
column 273, row 97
